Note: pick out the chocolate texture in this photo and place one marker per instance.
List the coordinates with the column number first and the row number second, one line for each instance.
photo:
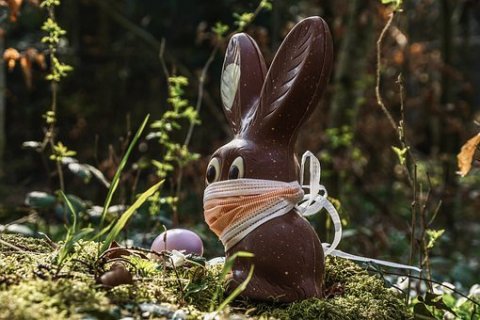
column 265, row 109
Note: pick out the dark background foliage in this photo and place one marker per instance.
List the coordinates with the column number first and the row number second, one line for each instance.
column 118, row 79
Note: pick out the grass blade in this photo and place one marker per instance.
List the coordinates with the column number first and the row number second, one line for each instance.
column 67, row 247
column 227, row 267
column 121, row 166
column 73, row 235
column 122, row 221
column 237, row 291
column 72, row 210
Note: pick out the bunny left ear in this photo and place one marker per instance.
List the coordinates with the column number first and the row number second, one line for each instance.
column 242, row 78
column 295, row 81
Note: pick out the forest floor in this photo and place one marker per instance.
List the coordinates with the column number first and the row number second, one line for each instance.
column 33, row 286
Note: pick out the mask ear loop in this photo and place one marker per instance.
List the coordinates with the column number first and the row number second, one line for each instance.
column 313, row 201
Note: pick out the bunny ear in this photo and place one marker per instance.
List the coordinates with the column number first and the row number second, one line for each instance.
column 242, row 78
column 296, row 79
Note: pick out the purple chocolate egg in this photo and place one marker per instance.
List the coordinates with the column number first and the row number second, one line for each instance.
column 178, row 239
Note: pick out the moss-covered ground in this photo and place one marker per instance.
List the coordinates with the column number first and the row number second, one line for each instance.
column 33, row 287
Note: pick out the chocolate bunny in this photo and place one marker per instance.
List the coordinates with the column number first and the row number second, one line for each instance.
column 265, row 111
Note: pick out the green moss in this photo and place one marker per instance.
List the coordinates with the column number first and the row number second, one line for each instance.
column 15, row 265
column 33, row 245
column 30, row 288
column 356, row 295
column 59, row 299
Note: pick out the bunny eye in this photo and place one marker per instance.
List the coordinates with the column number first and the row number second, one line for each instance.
column 237, row 169
column 213, row 171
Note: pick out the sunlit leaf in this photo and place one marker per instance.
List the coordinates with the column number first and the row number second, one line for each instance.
column 465, row 157
column 433, row 236
column 401, row 154
column 397, row 4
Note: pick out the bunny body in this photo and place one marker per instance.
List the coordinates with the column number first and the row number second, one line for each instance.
column 265, row 111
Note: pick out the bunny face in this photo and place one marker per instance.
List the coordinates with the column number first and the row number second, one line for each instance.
column 240, row 159
column 265, row 111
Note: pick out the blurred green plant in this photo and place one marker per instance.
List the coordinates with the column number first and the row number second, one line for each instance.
column 396, row 4
column 58, row 71
column 423, row 213
column 60, row 152
column 445, row 303
column 341, row 139
column 74, row 234
column 220, row 29
column 176, row 154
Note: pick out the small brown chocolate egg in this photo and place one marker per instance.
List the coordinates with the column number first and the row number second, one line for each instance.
column 117, row 275
column 180, row 240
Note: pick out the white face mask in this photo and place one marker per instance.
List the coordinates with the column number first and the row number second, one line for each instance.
column 234, row 208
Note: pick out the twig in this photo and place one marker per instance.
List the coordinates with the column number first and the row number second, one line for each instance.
column 423, row 279
column 201, row 89
column 127, row 24
column 400, row 131
column 49, row 138
column 161, row 57
column 8, row 244
column 423, row 225
column 179, row 282
column 413, row 224
column 379, row 69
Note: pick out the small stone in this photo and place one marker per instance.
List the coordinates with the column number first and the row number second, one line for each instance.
column 179, row 315
column 157, row 310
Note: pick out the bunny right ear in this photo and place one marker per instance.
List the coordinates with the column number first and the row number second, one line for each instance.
column 242, row 79
column 295, row 81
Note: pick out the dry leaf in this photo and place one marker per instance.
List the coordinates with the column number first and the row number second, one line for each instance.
column 10, row 56
column 465, row 157
column 36, row 57
column 26, row 70
column 40, row 61
column 14, row 6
